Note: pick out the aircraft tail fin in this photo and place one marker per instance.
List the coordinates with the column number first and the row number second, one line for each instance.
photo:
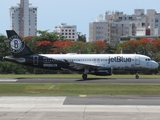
column 17, row 45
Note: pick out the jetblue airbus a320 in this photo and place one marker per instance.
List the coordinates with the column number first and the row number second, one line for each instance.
column 97, row 64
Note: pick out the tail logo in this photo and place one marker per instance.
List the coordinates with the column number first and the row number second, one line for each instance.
column 16, row 44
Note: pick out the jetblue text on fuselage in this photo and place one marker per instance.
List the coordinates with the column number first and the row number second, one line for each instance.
column 119, row 59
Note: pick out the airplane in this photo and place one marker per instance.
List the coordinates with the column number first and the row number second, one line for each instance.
column 96, row 64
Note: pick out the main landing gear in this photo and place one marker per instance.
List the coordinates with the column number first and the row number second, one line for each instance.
column 84, row 76
column 137, row 76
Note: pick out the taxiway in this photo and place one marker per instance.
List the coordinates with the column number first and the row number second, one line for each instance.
column 90, row 80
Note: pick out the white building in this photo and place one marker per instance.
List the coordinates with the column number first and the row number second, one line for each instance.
column 97, row 31
column 67, row 31
column 117, row 24
column 23, row 18
column 110, row 31
column 141, row 32
column 157, row 22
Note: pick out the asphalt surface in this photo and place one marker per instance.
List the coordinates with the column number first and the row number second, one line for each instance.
column 55, row 108
column 105, row 80
column 112, row 100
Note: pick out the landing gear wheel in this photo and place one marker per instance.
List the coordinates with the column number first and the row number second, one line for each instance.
column 137, row 77
column 84, row 76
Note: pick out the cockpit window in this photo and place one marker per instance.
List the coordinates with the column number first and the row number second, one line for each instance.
column 148, row 59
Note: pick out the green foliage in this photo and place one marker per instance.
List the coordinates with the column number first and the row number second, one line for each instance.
column 51, row 36
column 12, row 68
column 31, row 42
column 4, row 48
column 81, row 37
column 78, row 47
column 109, row 49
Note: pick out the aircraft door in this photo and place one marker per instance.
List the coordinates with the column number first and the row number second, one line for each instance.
column 137, row 60
column 35, row 60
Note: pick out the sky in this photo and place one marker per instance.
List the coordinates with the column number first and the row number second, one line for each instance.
column 74, row 12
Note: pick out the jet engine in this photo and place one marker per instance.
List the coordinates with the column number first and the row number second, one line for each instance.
column 102, row 71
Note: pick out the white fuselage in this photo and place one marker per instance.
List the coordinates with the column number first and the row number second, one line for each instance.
column 114, row 61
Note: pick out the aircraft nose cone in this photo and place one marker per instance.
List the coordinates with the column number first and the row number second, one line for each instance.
column 155, row 65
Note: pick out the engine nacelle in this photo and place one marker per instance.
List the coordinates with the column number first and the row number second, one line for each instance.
column 102, row 71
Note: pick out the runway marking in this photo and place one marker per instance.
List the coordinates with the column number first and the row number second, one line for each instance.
column 8, row 80
column 82, row 96
column 51, row 87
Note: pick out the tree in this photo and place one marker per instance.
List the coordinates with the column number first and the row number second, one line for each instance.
column 90, row 47
column 100, row 46
column 145, row 46
column 44, row 41
column 31, row 42
column 51, row 36
column 61, row 46
column 81, row 37
column 109, row 49
column 44, row 46
column 4, row 48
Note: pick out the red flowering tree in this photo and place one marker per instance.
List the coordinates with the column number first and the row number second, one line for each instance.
column 87, row 47
column 44, row 46
column 80, row 47
column 156, row 45
column 61, row 46
column 146, row 46
column 146, row 42
column 31, row 42
column 156, row 49
column 100, row 46
column 123, row 47
column 133, row 46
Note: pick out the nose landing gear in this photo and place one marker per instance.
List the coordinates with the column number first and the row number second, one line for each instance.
column 137, row 76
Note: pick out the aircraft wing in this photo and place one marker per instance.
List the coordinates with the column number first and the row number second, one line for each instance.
column 81, row 65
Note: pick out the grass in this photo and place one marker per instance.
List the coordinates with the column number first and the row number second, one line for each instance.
column 80, row 89
column 73, row 76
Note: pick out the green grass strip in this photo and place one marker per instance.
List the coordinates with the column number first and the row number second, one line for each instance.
column 80, row 89
column 77, row 76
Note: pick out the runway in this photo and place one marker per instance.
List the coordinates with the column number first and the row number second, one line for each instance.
column 59, row 108
column 90, row 80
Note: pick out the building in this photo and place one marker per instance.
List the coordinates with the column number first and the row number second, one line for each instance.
column 117, row 24
column 109, row 31
column 157, row 22
column 67, row 31
column 23, row 18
